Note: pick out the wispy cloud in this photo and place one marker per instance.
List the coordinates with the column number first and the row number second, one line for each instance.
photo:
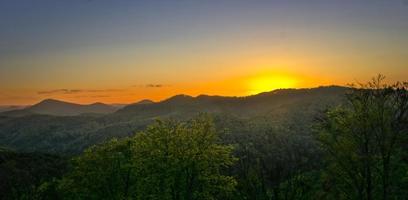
column 100, row 96
column 151, row 85
column 74, row 91
column 59, row 91
column 154, row 85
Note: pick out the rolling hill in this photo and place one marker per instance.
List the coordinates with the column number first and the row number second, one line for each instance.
column 9, row 108
column 61, row 108
column 71, row 134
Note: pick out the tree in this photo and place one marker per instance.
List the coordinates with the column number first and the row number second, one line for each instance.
column 363, row 141
column 169, row 160
column 21, row 174
column 183, row 161
column 277, row 164
column 102, row 172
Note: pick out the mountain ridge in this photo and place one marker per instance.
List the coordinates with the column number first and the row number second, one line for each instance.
column 182, row 99
column 72, row 134
column 172, row 99
column 62, row 108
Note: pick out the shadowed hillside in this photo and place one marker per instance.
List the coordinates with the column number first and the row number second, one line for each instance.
column 22, row 173
column 61, row 108
column 74, row 133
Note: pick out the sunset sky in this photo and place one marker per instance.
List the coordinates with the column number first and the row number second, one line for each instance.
column 124, row 51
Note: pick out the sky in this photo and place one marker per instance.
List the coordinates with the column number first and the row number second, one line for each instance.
column 87, row 51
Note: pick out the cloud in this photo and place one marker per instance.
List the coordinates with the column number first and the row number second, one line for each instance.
column 151, row 85
column 100, row 96
column 74, row 91
column 59, row 91
column 106, row 90
column 154, row 85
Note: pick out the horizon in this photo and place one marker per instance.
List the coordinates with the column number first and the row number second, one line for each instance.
column 166, row 98
column 123, row 52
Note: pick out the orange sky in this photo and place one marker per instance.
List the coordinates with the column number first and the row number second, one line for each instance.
column 235, row 86
column 122, row 52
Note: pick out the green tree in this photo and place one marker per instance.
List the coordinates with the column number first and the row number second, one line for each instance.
column 277, row 165
column 183, row 161
column 102, row 172
column 364, row 142
column 169, row 160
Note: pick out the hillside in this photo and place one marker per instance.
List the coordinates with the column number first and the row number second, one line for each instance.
column 23, row 172
column 71, row 134
column 61, row 108
column 9, row 108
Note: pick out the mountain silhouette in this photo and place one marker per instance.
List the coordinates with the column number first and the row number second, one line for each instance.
column 276, row 101
column 68, row 133
column 9, row 108
column 61, row 108
column 145, row 101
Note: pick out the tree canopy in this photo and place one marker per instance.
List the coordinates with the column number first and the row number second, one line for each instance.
column 169, row 160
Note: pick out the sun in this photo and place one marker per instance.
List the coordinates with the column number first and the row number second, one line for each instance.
column 269, row 82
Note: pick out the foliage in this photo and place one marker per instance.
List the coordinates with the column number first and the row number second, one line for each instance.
column 276, row 164
column 22, row 174
column 364, row 142
column 169, row 160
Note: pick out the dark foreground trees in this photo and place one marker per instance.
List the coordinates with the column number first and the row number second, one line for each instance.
column 22, row 174
column 365, row 143
column 276, row 165
column 169, row 160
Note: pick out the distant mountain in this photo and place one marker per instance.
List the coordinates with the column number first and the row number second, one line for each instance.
column 71, row 134
column 9, row 108
column 145, row 101
column 274, row 102
column 61, row 108
column 118, row 105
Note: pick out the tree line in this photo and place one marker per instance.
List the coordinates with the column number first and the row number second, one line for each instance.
column 356, row 150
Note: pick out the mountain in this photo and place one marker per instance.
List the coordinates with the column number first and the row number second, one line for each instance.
column 9, row 108
column 145, row 101
column 118, row 105
column 61, row 108
column 71, row 134
column 275, row 102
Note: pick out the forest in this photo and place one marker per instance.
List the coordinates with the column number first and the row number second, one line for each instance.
column 331, row 143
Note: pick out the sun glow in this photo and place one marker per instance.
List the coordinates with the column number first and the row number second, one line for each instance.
column 269, row 82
